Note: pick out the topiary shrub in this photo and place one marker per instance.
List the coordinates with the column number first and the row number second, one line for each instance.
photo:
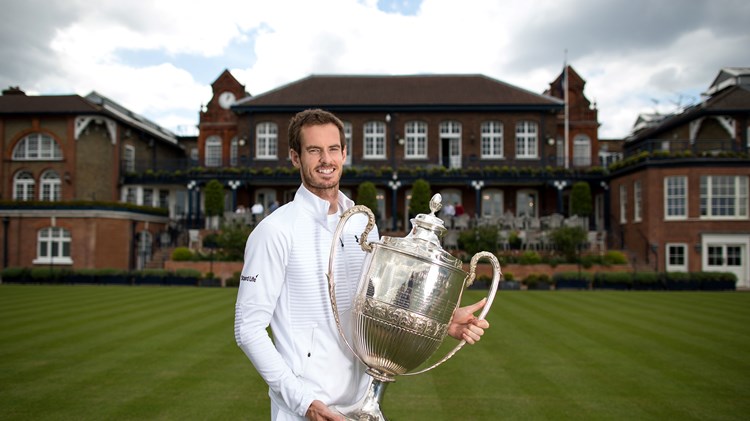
column 182, row 254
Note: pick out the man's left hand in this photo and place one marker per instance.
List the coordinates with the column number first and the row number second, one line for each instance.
column 464, row 325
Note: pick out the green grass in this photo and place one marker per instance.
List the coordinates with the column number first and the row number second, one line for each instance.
column 140, row 353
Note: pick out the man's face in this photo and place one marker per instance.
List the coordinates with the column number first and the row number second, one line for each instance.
column 321, row 158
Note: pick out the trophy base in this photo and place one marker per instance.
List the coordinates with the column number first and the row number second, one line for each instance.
column 368, row 409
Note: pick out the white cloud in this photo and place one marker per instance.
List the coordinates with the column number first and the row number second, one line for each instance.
column 154, row 57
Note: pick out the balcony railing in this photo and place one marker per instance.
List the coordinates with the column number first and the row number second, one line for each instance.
column 686, row 148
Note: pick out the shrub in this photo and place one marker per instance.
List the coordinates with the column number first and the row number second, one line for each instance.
column 568, row 240
column 187, row 273
column 478, row 239
column 614, row 257
column 14, row 274
column 182, row 254
column 421, row 193
column 367, row 196
column 530, row 257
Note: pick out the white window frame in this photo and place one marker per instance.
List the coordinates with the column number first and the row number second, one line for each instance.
column 374, row 140
column 266, row 140
column 213, row 149
column 348, row 138
column 527, row 140
column 234, row 152
column 23, row 186
column 492, row 144
column 50, row 186
column 37, row 147
column 637, row 201
column 710, row 201
column 670, row 252
column 415, row 146
column 675, row 197
column 53, row 246
column 128, row 158
column 581, row 151
column 623, row 204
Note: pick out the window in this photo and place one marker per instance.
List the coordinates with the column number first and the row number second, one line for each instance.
column 348, row 137
column 492, row 203
column 676, row 258
column 53, row 246
column 37, row 147
column 526, row 139
column 637, row 201
column 164, row 199
column 266, row 140
column 723, row 197
column 148, row 197
column 675, row 197
column 233, row 152
column 450, row 144
column 128, row 159
column 416, row 139
column 581, row 151
column 526, row 203
column 23, row 186
column 374, row 140
column 213, row 152
column 50, row 186
column 492, row 139
column 623, row 204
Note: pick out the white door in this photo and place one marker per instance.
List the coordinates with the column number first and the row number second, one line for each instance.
column 728, row 253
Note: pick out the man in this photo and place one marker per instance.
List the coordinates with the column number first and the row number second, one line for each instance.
column 307, row 366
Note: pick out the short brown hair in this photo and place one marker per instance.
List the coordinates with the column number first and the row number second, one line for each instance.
column 312, row 117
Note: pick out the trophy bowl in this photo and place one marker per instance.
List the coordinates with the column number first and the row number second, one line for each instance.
column 407, row 292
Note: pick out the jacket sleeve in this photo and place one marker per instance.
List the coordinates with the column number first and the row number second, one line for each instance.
column 261, row 280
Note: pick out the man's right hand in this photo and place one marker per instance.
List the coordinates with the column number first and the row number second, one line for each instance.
column 318, row 411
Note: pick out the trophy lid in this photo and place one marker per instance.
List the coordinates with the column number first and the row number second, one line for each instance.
column 428, row 226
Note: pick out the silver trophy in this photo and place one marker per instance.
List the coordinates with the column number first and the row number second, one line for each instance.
column 407, row 293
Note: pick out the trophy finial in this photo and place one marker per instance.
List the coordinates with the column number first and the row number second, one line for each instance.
column 436, row 203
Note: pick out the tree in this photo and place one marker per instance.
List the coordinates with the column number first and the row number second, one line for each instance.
column 214, row 198
column 420, row 198
column 580, row 198
column 367, row 195
column 568, row 240
column 214, row 203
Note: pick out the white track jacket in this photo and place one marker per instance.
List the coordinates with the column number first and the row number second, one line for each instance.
column 283, row 284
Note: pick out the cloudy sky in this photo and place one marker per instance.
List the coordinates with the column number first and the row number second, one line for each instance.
column 159, row 57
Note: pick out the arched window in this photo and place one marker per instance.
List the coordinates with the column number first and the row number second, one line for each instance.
column 213, row 152
column 23, row 186
column 37, row 147
column 374, row 144
column 50, row 186
column 581, row 151
column 266, row 138
column 492, row 139
column 492, row 203
column 53, row 246
column 527, row 203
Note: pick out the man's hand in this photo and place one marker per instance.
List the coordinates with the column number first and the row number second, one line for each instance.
column 464, row 325
column 318, row 411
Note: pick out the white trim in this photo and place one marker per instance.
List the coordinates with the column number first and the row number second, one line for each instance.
column 676, row 268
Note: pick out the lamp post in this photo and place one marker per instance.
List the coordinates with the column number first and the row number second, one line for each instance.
column 394, row 184
column 560, row 186
column 190, row 187
column 478, row 184
column 233, row 184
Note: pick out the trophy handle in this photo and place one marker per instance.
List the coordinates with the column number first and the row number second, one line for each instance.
column 367, row 247
column 496, row 275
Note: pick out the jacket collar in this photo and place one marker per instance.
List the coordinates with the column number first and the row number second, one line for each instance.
column 319, row 207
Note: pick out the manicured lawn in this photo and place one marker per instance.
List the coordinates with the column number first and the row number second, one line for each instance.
column 160, row 353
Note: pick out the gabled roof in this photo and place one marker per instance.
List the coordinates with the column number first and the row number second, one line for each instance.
column 398, row 92
column 47, row 104
column 729, row 76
